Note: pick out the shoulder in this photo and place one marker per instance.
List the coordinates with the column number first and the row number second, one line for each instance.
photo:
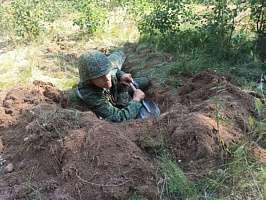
column 90, row 91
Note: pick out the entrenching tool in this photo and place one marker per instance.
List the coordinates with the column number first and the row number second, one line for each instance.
column 149, row 109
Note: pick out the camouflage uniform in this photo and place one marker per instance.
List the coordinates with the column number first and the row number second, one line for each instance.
column 114, row 104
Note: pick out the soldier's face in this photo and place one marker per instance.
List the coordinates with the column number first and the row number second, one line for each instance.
column 103, row 81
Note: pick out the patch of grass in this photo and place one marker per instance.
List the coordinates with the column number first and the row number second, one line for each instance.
column 174, row 184
column 247, row 73
column 173, row 81
column 15, row 77
column 178, row 68
column 152, row 142
column 239, row 178
column 52, row 116
column 68, row 82
column 159, row 72
column 136, row 196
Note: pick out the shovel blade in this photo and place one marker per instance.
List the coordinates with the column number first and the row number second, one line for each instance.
column 149, row 110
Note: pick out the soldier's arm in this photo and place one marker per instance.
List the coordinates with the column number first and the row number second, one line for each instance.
column 100, row 105
column 119, row 74
column 110, row 113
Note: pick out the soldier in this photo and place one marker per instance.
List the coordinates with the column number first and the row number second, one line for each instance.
column 105, row 88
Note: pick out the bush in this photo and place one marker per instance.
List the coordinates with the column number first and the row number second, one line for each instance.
column 93, row 15
column 27, row 18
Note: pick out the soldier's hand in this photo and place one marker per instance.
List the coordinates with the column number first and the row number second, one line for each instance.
column 138, row 95
column 126, row 79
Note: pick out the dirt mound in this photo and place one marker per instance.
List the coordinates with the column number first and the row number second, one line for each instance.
column 217, row 110
column 65, row 154
column 62, row 153
column 191, row 134
column 26, row 97
column 161, row 95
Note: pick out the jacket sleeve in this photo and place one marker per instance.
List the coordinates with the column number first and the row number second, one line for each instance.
column 119, row 74
column 100, row 105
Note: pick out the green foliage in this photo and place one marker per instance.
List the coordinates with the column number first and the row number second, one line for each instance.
column 93, row 15
column 172, row 27
column 163, row 22
column 138, row 8
column 179, row 68
column 258, row 16
column 28, row 18
column 257, row 128
column 218, row 105
column 217, row 29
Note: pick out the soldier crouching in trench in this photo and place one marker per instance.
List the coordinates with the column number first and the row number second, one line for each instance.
column 105, row 88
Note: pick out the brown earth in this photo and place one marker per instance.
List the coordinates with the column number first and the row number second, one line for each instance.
column 53, row 151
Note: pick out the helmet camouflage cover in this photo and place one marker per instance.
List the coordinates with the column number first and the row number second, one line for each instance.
column 93, row 64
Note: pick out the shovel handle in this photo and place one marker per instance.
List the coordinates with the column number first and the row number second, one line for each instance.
column 132, row 87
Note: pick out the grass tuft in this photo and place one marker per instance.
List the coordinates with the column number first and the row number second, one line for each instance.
column 175, row 184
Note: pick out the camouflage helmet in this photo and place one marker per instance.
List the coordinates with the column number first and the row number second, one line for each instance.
column 93, row 64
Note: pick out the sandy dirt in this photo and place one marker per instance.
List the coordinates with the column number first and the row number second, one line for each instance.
column 51, row 150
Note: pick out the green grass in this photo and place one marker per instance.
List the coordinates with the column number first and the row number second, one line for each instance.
column 175, row 184
column 240, row 177
column 136, row 196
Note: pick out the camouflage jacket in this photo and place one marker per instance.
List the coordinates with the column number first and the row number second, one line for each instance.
column 102, row 101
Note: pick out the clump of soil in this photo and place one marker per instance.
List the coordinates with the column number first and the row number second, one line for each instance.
column 58, row 152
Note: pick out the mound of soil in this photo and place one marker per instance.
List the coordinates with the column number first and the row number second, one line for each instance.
column 26, row 97
column 52, row 151
column 66, row 154
column 191, row 134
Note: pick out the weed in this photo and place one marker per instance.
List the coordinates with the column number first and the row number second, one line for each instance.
column 257, row 129
column 51, row 121
column 218, row 106
column 173, row 81
column 159, row 72
column 35, row 192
